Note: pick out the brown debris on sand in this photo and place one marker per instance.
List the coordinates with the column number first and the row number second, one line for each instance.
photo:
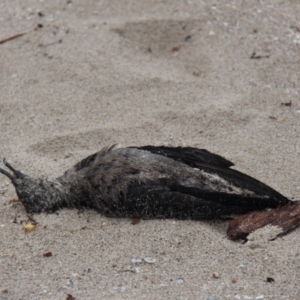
column 286, row 218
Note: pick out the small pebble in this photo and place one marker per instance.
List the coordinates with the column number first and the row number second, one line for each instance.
column 180, row 280
column 149, row 260
column 212, row 298
column 69, row 282
column 136, row 260
column 29, row 227
column 260, row 297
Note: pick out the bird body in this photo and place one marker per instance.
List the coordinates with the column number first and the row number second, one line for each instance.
column 149, row 182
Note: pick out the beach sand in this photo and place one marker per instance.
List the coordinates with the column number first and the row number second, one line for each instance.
column 88, row 74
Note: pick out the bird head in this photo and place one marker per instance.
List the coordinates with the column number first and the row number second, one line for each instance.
column 37, row 195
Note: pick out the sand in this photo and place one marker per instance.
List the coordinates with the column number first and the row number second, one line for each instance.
column 88, row 74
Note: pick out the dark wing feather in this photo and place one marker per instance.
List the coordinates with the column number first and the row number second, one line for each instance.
column 246, row 182
column 215, row 164
column 189, row 155
column 85, row 162
column 156, row 201
column 229, row 199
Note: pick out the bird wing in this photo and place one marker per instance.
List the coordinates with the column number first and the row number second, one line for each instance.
column 217, row 165
column 249, row 202
column 148, row 201
column 189, row 155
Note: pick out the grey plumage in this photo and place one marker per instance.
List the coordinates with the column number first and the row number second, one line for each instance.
column 149, row 182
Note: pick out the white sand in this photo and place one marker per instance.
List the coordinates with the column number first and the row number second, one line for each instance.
column 136, row 73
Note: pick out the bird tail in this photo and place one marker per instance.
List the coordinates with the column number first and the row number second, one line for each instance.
column 285, row 218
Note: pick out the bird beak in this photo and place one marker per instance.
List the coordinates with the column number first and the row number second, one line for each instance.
column 17, row 174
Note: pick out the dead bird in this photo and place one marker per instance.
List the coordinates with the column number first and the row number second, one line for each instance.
column 159, row 182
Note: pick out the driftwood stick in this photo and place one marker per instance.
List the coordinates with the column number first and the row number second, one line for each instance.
column 286, row 218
